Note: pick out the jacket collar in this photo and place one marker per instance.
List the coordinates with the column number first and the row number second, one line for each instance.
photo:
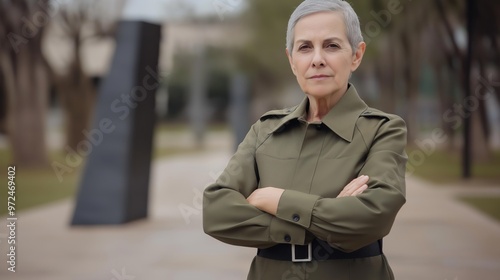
column 341, row 119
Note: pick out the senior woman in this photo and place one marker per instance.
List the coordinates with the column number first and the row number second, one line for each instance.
column 315, row 187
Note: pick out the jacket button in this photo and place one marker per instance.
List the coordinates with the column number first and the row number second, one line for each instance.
column 296, row 218
column 288, row 238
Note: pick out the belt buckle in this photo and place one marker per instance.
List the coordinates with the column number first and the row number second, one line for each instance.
column 309, row 254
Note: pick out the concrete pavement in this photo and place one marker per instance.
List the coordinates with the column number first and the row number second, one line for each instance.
column 434, row 237
column 168, row 245
column 437, row 237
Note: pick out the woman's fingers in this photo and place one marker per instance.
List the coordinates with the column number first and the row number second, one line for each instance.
column 348, row 187
column 360, row 190
column 355, row 187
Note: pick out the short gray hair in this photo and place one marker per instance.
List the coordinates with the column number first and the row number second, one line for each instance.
column 351, row 21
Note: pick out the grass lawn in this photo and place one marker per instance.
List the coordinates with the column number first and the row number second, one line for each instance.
column 489, row 205
column 36, row 187
column 444, row 168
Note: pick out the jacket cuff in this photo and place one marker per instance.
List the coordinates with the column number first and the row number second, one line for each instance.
column 281, row 231
column 296, row 207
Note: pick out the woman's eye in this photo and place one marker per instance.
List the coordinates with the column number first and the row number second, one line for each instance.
column 303, row 47
column 334, row 46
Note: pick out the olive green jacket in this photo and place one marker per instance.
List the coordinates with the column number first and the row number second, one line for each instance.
column 313, row 163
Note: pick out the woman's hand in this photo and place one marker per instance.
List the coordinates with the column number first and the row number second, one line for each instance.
column 266, row 199
column 355, row 187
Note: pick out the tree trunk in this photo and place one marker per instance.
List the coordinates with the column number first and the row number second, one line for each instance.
column 77, row 95
column 481, row 150
column 411, row 76
column 27, row 96
column 445, row 81
column 25, row 82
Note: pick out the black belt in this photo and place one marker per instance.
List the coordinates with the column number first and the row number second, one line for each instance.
column 317, row 250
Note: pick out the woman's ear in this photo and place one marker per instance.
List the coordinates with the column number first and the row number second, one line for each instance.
column 290, row 60
column 358, row 56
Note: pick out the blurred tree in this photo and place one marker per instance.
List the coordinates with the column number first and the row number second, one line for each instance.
column 394, row 36
column 474, row 68
column 82, row 21
column 432, row 34
column 25, row 83
column 264, row 58
column 266, row 51
column 486, row 58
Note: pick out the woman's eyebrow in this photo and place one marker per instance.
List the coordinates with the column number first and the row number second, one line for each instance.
column 333, row 39
column 329, row 39
column 299, row 41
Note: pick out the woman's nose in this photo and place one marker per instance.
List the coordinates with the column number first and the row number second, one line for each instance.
column 318, row 60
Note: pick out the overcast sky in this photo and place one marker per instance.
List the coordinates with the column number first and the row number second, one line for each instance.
column 159, row 10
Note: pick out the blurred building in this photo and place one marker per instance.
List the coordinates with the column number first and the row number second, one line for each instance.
column 178, row 36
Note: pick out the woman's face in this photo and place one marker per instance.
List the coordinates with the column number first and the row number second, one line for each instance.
column 322, row 58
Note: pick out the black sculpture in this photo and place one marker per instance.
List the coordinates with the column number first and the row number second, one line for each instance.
column 115, row 183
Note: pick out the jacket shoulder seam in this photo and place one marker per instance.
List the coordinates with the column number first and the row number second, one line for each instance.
column 278, row 113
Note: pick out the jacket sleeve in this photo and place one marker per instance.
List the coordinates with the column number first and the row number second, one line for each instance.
column 350, row 223
column 228, row 217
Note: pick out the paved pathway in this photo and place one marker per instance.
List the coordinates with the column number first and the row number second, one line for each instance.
column 435, row 237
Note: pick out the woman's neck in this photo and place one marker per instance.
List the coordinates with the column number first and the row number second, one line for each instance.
column 319, row 107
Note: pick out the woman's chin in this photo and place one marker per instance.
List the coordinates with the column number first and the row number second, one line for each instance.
column 323, row 91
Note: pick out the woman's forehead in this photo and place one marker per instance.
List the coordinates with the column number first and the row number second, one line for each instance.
column 323, row 24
